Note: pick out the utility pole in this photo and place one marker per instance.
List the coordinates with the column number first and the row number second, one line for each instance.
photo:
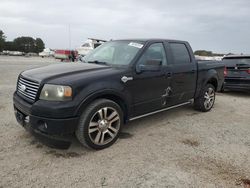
column 69, row 38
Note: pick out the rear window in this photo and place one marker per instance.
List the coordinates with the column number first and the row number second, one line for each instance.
column 234, row 61
column 180, row 53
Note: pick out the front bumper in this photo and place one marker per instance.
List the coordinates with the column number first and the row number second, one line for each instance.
column 50, row 128
column 46, row 125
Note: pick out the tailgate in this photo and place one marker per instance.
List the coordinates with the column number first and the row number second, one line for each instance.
column 238, row 71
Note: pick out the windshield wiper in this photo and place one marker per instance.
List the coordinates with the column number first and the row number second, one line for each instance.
column 98, row 62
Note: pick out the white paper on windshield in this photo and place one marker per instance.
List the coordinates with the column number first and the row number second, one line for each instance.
column 136, row 45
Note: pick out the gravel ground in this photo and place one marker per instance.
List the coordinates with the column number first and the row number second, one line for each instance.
column 178, row 148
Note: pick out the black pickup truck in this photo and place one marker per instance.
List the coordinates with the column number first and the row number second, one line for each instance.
column 120, row 81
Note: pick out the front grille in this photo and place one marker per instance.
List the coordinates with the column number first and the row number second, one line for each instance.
column 27, row 88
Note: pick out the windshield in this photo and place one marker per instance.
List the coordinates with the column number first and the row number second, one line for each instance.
column 114, row 53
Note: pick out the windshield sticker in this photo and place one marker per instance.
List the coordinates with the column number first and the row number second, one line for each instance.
column 136, row 45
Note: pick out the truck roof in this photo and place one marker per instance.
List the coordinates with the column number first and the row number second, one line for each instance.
column 151, row 39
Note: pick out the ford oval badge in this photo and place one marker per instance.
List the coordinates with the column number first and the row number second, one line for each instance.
column 23, row 87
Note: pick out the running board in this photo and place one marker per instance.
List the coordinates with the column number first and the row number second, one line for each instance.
column 162, row 110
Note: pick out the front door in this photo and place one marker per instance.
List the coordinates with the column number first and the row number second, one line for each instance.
column 149, row 86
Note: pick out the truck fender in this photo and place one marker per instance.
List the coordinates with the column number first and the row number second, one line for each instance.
column 111, row 94
column 210, row 77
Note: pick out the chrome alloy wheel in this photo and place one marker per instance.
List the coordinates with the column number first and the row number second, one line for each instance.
column 104, row 126
column 209, row 98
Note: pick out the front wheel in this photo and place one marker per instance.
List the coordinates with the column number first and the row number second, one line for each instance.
column 205, row 101
column 100, row 124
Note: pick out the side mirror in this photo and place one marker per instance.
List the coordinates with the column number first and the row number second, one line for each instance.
column 152, row 65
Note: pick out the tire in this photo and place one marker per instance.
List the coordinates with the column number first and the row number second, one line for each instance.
column 222, row 90
column 205, row 101
column 100, row 124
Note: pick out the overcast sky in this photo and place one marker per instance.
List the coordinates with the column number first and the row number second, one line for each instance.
column 217, row 25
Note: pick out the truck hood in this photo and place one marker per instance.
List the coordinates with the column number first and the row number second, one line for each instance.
column 58, row 70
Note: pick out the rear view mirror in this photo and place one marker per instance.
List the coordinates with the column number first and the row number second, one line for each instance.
column 152, row 65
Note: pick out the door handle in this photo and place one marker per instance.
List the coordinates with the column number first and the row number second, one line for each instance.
column 169, row 74
column 192, row 71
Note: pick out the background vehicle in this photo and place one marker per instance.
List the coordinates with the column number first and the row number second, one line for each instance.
column 89, row 45
column 237, row 72
column 13, row 53
column 31, row 54
column 121, row 80
column 47, row 52
column 207, row 58
column 65, row 55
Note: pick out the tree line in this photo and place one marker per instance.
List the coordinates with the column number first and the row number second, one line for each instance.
column 22, row 44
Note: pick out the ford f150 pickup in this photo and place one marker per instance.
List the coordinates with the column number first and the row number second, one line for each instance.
column 120, row 81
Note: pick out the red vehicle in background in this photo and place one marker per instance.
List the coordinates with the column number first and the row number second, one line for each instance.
column 66, row 55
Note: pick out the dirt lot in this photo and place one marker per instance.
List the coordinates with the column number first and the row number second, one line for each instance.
column 178, row 148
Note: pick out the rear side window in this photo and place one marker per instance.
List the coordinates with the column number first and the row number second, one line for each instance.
column 180, row 53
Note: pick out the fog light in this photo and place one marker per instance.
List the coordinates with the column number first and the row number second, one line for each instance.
column 42, row 125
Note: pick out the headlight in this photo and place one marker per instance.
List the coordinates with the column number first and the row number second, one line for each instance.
column 56, row 93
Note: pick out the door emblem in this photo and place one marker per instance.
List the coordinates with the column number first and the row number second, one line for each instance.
column 23, row 87
column 124, row 79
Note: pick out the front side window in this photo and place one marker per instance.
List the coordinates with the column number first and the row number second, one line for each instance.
column 155, row 51
column 114, row 52
column 180, row 53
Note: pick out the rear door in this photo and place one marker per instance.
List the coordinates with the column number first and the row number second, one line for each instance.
column 184, row 72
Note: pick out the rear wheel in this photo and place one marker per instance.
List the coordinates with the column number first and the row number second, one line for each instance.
column 205, row 101
column 100, row 124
